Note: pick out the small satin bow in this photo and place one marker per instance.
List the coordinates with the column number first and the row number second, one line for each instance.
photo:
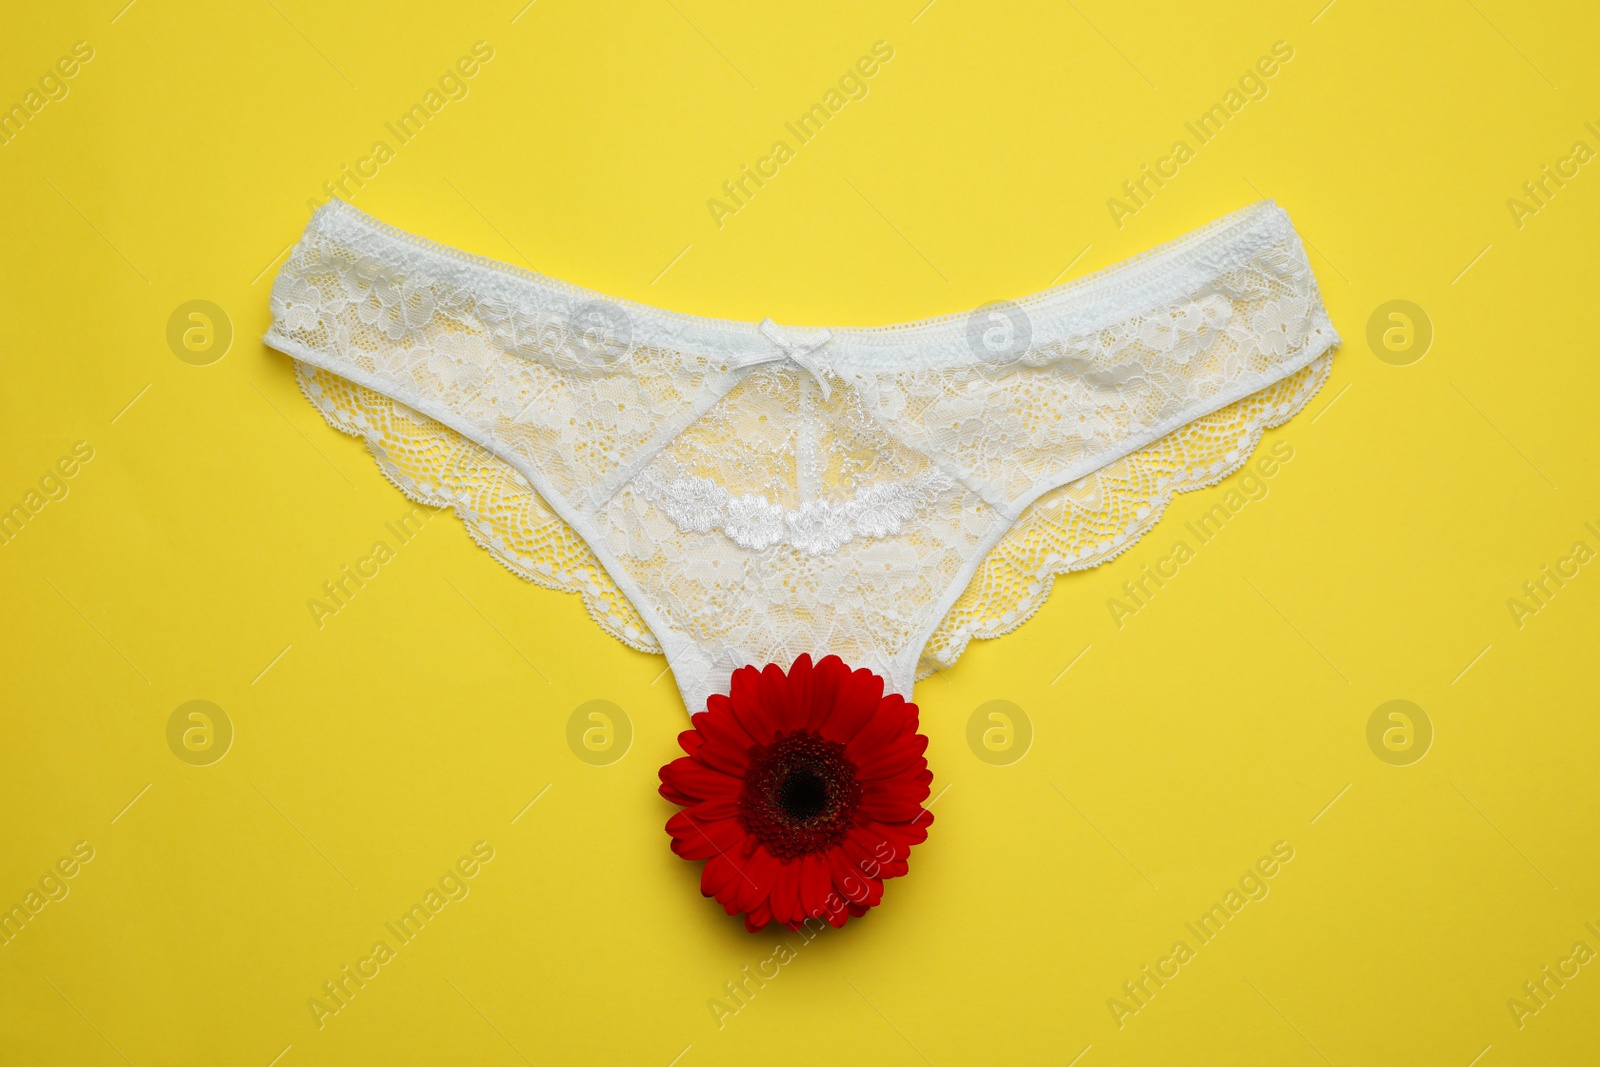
column 800, row 353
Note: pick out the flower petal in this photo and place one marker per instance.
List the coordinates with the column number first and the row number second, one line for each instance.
column 719, row 879
column 692, row 778
column 776, row 698
column 755, row 920
column 854, row 885
column 713, row 809
column 859, row 696
column 760, row 873
column 719, row 712
column 786, row 894
column 673, row 795
column 799, row 686
column 815, row 885
column 889, row 805
column 873, row 855
column 770, row 717
column 745, row 701
column 887, row 720
column 723, row 745
column 901, row 756
column 827, row 678
column 696, row 840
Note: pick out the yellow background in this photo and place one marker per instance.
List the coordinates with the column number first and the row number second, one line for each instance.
column 1228, row 714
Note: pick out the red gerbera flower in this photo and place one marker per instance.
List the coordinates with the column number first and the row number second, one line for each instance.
column 802, row 792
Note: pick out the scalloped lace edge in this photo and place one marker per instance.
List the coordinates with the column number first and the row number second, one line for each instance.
column 1042, row 583
column 478, row 528
column 1248, row 440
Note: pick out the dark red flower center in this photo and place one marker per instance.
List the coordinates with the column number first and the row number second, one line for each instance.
column 800, row 795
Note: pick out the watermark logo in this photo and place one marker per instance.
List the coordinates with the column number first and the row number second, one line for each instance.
column 199, row 333
column 199, row 733
column 1538, row 191
column 52, row 486
column 999, row 732
column 1399, row 333
column 1399, row 733
column 742, row 989
column 451, row 86
column 452, row 886
column 599, row 732
column 1538, row 992
column 999, row 332
column 338, row 591
column 1538, row 591
column 1252, row 887
column 53, row 87
column 602, row 332
column 1140, row 591
column 1140, row 190
column 739, row 991
column 51, row 887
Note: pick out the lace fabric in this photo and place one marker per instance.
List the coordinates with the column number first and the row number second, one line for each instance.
column 728, row 495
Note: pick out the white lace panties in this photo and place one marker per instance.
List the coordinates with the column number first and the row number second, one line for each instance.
column 731, row 493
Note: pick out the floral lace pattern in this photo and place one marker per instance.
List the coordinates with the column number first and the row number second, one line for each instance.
column 714, row 496
column 434, row 465
column 1092, row 520
column 1078, row 526
column 818, row 527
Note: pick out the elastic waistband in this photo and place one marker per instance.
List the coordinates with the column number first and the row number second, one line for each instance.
column 1168, row 275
